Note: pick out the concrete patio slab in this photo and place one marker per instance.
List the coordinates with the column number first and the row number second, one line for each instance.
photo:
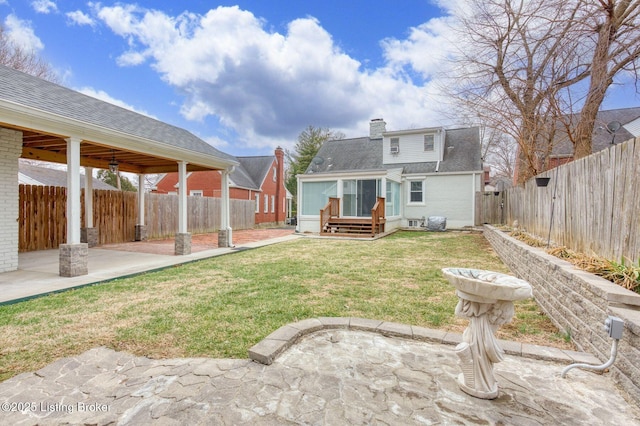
column 38, row 271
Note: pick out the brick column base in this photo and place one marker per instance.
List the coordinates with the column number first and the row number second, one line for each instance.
column 74, row 259
column 89, row 236
column 141, row 232
column 183, row 244
column 224, row 237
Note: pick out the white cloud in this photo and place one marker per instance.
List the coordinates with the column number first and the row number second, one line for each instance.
column 269, row 86
column 78, row 17
column 21, row 33
column 104, row 96
column 44, row 6
column 424, row 51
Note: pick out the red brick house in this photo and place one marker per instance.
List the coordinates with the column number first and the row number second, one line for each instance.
column 257, row 178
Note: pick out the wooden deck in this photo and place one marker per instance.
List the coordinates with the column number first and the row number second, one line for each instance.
column 366, row 227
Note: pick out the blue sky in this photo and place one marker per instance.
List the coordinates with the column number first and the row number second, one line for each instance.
column 247, row 76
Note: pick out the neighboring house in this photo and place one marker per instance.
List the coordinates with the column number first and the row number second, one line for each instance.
column 626, row 121
column 256, row 178
column 419, row 172
column 29, row 174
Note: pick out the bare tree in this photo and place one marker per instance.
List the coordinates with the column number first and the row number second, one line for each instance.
column 613, row 27
column 501, row 156
column 16, row 57
column 514, row 61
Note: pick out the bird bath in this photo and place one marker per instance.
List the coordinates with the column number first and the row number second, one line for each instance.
column 486, row 299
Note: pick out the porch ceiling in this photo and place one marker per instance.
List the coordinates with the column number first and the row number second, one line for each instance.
column 37, row 145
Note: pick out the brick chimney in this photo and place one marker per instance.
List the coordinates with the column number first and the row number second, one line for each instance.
column 280, row 190
column 377, row 126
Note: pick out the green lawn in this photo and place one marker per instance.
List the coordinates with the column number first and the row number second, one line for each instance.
column 222, row 306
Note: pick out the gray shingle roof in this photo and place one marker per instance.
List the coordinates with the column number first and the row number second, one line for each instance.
column 257, row 167
column 601, row 137
column 53, row 177
column 24, row 89
column 348, row 155
column 251, row 171
column 462, row 153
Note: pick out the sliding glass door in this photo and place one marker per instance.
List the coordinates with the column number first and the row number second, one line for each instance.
column 359, row 196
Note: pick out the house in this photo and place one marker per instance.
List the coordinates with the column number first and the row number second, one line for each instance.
column 257, row 178
column 407, row 175
column 611, row 126
column 41, row 120
column 29, row 174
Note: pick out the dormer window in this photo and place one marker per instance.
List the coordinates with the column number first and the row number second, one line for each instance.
column 429, row 142
column 395, row 145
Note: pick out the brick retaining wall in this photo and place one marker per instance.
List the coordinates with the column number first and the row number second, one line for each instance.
column 578, row 302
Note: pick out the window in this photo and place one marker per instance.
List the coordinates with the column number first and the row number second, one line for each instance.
column 429, row 141
column 415, row 191
column 392, row 199
column 275, row 174
column 273, row 204
column 266, row 203
column 257, row 203
column 395, row 145
column 195, row 193
column 315, row 196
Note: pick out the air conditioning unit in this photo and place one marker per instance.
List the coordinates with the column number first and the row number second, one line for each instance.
column 395, row 149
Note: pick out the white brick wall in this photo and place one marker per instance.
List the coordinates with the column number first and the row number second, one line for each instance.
column 10, row 150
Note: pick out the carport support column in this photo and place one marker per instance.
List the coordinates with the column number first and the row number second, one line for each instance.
column 10, row 150
column 183, row 238
column 88, row 234
column 225, row 237
column 74, row 255
column 141, row 228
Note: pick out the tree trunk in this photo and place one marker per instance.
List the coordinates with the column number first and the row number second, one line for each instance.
column 600, row 80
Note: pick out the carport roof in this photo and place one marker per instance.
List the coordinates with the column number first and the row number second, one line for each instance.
column 47, row 113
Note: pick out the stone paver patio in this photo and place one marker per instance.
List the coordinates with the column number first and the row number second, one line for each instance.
column 331, row 372
column 200, row 242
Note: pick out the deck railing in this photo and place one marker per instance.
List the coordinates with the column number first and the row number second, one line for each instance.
column 377, row 217
column 332, row 209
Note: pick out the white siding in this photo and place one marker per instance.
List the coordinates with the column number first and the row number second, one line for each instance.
column 10, row 151
column 451, row 196
column 395, row 174
column 412, row 148
column 633, row 127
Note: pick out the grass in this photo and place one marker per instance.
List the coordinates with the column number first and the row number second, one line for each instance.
column 220, row 307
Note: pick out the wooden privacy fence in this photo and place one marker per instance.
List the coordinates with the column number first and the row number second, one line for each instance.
column 43, row 224
column 596, row 207
column 489, row 207
column 42, row 219
column 161, row 212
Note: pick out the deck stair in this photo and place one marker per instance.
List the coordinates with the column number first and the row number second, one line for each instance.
column 352, row 227
column 332, row 224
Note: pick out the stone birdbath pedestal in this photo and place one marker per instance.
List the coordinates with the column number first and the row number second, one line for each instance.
column 486, row 299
